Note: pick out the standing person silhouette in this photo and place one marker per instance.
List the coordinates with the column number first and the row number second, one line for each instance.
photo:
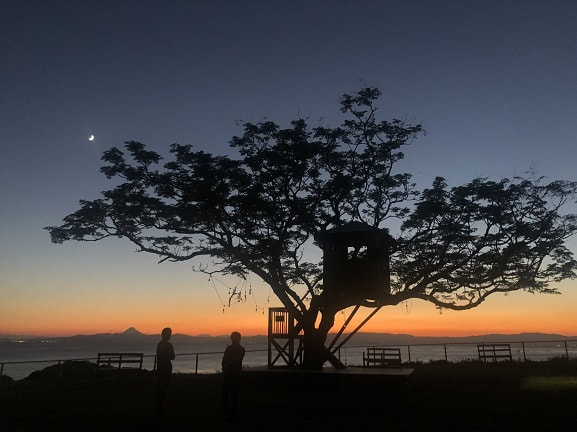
column 231, row 370
column 164, row 357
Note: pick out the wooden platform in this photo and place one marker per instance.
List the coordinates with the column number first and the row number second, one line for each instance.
column 360, row 374
column 372, row 380
column 351, row 370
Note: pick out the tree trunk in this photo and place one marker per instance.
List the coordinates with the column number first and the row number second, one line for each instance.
column 315, row 351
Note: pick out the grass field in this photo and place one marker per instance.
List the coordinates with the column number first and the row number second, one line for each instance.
column 540, row 396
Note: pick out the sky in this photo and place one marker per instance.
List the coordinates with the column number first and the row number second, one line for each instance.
column 493, row 82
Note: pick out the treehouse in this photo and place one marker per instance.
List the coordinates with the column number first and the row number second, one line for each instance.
column 355, row 264
column 355, row 272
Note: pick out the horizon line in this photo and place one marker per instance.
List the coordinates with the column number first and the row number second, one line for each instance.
column 134, row 330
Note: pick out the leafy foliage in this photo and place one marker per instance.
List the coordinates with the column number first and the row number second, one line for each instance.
column 260, row 213
column 462, row 244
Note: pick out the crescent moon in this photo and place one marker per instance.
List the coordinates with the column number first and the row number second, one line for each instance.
column 91, row 138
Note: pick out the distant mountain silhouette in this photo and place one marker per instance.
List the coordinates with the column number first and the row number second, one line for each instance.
column 132, row 335
column 132, row 332
column 406, row 339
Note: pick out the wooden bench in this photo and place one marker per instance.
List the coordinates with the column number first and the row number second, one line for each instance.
column 382, row 357
column 118, row 360
column 494, row 352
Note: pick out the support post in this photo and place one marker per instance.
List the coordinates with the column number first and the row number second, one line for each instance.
column 356, row 329
column 344, row 326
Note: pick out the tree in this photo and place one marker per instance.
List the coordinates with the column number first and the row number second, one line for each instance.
column 263, row 211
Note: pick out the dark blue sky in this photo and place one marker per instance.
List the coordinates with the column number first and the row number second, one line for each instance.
column 493, row 82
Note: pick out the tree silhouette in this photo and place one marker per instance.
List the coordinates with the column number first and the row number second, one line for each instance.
column 264, row 211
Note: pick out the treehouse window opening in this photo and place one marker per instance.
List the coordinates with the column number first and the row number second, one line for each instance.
column 356, row 262
column 357, row 252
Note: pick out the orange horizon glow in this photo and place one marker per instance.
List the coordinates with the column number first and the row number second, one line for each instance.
column 171, row 297
column 523, row 314
column 418, row 332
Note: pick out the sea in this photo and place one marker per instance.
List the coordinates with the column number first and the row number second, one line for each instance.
column 19, row 358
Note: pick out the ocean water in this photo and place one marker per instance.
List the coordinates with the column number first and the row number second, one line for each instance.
column 20, row 359
column 456, row 352
column 206, row 357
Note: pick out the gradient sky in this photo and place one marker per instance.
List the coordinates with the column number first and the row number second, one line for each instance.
column 494, row 83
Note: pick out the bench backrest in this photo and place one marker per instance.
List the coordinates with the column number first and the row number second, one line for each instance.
column 382, row 357
column 494, row 352
column 118, row 359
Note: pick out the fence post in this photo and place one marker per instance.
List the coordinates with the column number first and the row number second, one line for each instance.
column 524, row 354
column 446, row 358
column 566, row 350
column 409, row 351
column 196, row 365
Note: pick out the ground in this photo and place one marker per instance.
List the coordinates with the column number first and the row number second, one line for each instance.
column 472, row 396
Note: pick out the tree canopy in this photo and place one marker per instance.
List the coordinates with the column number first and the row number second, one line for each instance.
column 263, row 211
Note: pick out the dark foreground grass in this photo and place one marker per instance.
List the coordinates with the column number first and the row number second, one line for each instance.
column 446, row 397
